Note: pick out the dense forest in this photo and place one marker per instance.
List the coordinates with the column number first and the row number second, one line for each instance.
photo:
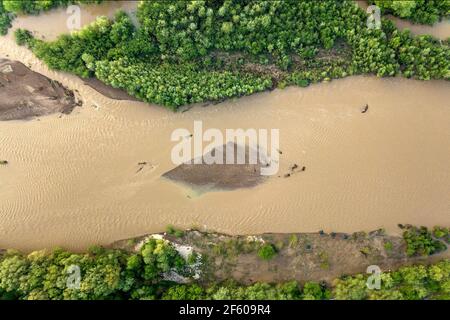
column 192, row 51
column 119, row 274
column 418, row 11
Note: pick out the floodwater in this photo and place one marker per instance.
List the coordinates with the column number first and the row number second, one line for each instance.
column 74, row 180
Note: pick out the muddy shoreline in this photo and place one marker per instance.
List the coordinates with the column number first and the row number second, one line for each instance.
column 303, row 257
column 108, row 91
column 25, row 94
column 203, row 177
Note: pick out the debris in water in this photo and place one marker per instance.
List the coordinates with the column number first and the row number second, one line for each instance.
column 3, row 162
column 365, row 108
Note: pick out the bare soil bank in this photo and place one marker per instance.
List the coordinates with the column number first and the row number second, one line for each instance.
column 25, row 94
column 108, row 91
column 204, row 177
column 301, row 256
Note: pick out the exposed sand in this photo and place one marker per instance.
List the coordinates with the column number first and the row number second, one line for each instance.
column 205, row 177
column 25, row 94
column 108, row 91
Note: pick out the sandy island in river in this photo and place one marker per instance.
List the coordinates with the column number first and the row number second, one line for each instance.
column 205, row 177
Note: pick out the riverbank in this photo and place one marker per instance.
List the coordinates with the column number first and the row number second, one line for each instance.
column 303, row 257
column 26, row 94
column 193, row 265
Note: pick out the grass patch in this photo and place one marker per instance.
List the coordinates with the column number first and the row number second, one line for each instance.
column 267, row 252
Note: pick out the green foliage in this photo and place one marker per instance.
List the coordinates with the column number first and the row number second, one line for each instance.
column 175, row 56
column 175, row 85
column 388, row 246
column 174, row 231
column 267, row 251
column 105, row 274
column 116, row 274
column 293, row 241
column 23, row 37
column 407, row 283
column 419, row 241
column 184, row 292
column 257, row 291
column 315, row 291
column 418, row 11
column 442, row 233
column 78, row 52
column 5, row 19
column 421, row 57
column 160, row 257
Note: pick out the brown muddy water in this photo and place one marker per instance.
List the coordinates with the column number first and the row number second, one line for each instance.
column 74, row 180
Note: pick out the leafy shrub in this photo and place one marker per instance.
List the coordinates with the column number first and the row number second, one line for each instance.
column 5, row 20
column 267, row 252
column 23, row 37
column 174, row 231
column 419, row 241
column 407, row 283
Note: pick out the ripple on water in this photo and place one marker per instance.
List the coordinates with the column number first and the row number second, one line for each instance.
column 71, row 181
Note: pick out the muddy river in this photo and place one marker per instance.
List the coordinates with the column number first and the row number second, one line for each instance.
column 74, row 180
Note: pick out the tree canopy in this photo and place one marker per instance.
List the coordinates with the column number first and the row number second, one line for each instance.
column 194, row 51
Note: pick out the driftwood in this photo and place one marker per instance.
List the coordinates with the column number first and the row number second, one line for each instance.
column 365, row 108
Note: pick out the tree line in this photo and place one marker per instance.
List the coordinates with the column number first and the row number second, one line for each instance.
column 182, row 52
column 113, row 274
